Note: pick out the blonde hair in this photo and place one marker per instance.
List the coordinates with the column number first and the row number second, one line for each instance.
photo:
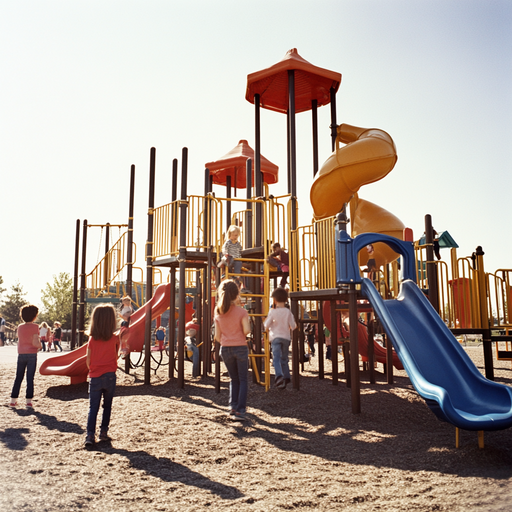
column 232, row 229
column 227, row 292
column 126, row 298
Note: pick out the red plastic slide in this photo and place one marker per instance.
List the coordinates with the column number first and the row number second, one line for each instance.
column 379, row 350
column 73, row 364
column 362, row 339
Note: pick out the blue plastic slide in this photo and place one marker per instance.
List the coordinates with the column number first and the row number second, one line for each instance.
column 439, row 368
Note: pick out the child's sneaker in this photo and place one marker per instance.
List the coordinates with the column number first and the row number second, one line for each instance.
column 13, row 403
column 30, row 404
column 104, row 437
column 223, row 262
column 89, row 440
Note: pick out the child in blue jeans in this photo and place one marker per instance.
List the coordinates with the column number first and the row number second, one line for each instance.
column 279, row 323
column 28, row 347
column 102, row 353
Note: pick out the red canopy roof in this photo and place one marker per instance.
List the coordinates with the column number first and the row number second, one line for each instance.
column 311, row 82
column 234, row 164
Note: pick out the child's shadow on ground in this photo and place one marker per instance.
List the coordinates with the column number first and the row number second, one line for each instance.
column 14, row 438
column 51, row 422
column 170, row 471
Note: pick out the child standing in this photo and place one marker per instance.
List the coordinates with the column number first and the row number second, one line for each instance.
column 28, row 346
column 44, row 333
column 231, row 328
column 279, row 323
column 102, row 355
column 126, row 311
column 57, row 336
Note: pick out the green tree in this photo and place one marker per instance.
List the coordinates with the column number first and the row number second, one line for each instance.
column 10, row 307
column 57, row 300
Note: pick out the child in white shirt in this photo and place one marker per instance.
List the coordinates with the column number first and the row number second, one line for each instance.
column 279, row 323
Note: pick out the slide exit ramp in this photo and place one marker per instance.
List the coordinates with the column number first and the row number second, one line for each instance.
column 439, row 368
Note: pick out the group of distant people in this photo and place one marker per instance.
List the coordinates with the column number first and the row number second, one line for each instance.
column 49, row 337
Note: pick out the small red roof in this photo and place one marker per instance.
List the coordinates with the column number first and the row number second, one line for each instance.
column 311, row 82
column 234, row 164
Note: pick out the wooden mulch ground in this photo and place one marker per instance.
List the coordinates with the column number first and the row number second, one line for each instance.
column 175, row 449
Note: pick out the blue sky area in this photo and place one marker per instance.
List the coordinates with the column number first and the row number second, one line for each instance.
column 88, row 87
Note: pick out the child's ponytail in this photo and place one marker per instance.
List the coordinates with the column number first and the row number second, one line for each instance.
column 227, row 292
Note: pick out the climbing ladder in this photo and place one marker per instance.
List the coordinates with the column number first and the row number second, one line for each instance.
column 260, row 280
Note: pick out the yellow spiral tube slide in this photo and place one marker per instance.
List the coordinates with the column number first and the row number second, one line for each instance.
column 368, row 156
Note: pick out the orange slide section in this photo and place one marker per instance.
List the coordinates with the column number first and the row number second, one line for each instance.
column 369, row 154
column 73, row 364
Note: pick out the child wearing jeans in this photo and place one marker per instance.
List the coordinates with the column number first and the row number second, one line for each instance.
column 279, row 323
column 28, row 346
column 102, row 353
column 232, row 325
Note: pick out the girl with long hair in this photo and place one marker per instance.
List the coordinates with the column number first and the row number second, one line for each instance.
column 102, row 354
column 232, row 325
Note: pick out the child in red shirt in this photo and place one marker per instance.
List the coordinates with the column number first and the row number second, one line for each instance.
column 28, row 346
column 102, row 354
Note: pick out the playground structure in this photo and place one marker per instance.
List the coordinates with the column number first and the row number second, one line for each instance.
column 185, row 237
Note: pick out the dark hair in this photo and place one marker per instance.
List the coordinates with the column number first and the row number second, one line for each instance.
column 28, row 312
column 228, row 291
column 276, row 245
column 280, row 295
column 103, row 322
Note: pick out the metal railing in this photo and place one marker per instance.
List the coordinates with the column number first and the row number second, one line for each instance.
column 106, row 278
column 500, row 298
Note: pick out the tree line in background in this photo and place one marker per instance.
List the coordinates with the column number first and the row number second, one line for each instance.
column 56, row 300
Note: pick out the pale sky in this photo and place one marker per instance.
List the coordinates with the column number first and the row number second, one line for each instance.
column 88, row 87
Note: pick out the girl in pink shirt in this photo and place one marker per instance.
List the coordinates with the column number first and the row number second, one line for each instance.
column 231, row 328
column 102, row 354
column 28, row 346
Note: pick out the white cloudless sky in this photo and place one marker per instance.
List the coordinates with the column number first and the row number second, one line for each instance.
column 88, row 87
